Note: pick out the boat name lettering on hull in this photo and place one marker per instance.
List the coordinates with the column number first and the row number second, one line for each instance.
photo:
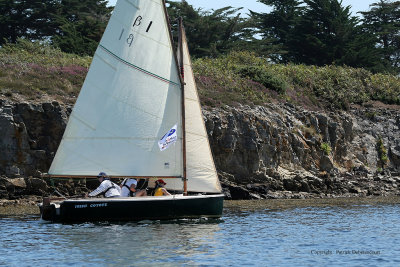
column 98, row 205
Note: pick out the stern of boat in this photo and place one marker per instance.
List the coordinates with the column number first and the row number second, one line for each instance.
column 50, row 209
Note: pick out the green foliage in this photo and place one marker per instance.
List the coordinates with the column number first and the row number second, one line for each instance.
column 277, row 26
column 219, row 83
column 313, row 32
column 210, row 33
column 75, row 26
column 323, row 32
column 317, row 32
column 227, row 80
column 25, row 52
column 383, row 20
column 80, row 25
column 25, row 19
column 371, row 115
column 326, row 148
column 382, row 153
column 385, row 88
column 263, row 76
column 33, row 70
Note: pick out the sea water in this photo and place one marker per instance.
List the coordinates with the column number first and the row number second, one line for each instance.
column 265, row 235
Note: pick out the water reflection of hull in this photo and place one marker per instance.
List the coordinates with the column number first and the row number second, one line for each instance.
column 133, row 209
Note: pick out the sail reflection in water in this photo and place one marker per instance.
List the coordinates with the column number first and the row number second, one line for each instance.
column 140, row 244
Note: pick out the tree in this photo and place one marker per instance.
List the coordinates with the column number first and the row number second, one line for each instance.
column 361, row 52
column 317, row 32
column 80, row 25
column 278, row 26
column 25, row 19
column 75, row 26
column 324, row 32
column 383, row 20
column 210, row 33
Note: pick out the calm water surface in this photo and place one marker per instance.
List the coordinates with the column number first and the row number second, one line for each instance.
column 350, row 235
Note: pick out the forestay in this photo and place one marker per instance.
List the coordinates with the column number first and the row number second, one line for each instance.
column 131, row 97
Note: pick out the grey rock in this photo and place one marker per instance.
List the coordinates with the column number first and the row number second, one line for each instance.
column 271, row 151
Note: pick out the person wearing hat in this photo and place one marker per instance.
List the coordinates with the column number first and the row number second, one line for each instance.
column 128, row 189
column 106, row 187
column 160, row 190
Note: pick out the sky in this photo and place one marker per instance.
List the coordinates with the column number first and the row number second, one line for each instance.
column 357, row 5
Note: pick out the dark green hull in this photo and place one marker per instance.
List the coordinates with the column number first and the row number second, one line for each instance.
column 134, row 209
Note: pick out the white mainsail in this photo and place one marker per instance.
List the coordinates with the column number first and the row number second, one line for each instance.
column 130, row 98
column 128, row 103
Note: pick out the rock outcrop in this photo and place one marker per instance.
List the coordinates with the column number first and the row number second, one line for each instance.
column 292, row 150
column 273, row 151
column 30, row 134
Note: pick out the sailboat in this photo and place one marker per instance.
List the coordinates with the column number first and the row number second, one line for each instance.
column 138, row 116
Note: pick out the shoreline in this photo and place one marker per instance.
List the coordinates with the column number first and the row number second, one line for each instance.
column 26, row 207
column 276, row 204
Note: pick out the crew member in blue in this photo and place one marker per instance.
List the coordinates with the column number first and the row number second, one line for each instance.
column 106, row 187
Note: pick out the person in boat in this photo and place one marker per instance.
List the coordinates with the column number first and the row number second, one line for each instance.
column 159, row 190
column 129, row 189
column 106, row 187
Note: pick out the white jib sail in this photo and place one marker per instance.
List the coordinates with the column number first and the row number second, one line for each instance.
column 201, row 173
column 130, row 98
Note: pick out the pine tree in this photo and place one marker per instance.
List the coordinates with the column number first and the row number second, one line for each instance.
column 75, row 26
column 29, row 19
column 278, row 26
column 80, row 25
column 210, row 33
column 323, row 33
column 383, row 20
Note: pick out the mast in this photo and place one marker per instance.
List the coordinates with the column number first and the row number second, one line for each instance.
column 182, row 68
column 179, row 61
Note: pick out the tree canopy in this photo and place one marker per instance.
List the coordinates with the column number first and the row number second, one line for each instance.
column 314, row 32
column 318, row 32
column 73, row 25
column 210, row 33
column 383, row 21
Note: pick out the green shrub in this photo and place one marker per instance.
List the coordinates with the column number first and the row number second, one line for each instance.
column 326, row 148
column 31, row 70
column 382, row 153
column 371, row 115
column 263, row 76
column 311, row 86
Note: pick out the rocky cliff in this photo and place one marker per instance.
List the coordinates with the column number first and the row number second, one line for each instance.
column 284, row 151
column 271, row 151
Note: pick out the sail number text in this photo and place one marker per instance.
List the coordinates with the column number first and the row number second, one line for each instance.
column 138, row 22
